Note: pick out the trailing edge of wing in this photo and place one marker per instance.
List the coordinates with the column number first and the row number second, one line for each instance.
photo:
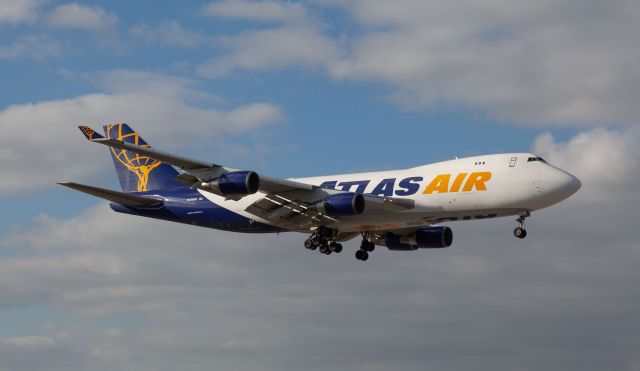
column 115, row 196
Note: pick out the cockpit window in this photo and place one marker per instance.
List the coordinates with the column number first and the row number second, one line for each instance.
column 531, row 159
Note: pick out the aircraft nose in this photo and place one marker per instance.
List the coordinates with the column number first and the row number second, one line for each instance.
column 574, row 184
column 561, row 182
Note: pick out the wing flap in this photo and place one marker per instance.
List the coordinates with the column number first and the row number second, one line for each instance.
column 115, row 196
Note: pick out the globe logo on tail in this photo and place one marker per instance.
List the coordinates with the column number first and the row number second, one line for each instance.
column 139, row 165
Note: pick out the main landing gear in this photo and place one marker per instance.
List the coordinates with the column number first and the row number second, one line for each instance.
column 365, row 248
column 520, row 232
column 323, row 240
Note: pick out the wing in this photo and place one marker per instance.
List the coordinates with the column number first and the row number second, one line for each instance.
column 285, row 203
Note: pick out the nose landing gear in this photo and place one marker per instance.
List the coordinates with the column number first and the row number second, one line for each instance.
column 520, row 232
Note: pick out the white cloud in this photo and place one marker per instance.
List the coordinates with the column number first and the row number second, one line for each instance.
column 273, row 49
column 529, row 63
column 84, row 17
column 159, row 106
column 607, row 161
column 15, row 11
column 169, row 33
column 532, row 63
column 34, row 47
column 260, row 11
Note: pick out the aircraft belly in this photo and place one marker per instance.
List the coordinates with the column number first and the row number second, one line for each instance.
column 386, row 222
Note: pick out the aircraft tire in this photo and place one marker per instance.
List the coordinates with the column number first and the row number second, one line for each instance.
column 370, row 247
column 324, row 248
column 362, row 255
column 367, row 246
column 520, row 232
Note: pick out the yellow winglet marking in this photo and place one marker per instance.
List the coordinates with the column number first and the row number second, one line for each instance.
column 88, row 132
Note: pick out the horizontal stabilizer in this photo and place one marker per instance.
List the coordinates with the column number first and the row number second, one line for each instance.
column 115, row 196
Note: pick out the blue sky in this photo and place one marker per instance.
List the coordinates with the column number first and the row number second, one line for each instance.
column 297, row 89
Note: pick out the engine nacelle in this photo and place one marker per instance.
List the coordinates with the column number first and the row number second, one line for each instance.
column 397, row 243
column 235, row 183
column 434, row 237
column 426, row 238
column 342, row 204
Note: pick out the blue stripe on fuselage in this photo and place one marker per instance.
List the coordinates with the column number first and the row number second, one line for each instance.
column 187, row 205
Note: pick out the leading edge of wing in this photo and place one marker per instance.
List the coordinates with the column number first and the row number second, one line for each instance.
column 197, row 169
column 169, row 158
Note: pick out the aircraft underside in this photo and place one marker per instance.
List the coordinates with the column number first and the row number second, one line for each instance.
column 422, row 229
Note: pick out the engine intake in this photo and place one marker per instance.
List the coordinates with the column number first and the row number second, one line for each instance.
column 342, row 204
column 235, row 183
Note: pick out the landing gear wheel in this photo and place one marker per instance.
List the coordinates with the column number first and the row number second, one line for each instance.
column 335, row 247
column 520, row 232
column 325, row 249
column 308, row 244
column 362, row 255
column 370, row 247
column 367, row 246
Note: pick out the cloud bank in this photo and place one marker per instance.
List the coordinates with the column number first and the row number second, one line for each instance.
column 164, row 108
column 545, row 63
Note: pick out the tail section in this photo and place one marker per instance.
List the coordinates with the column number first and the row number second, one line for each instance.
column 137, row 173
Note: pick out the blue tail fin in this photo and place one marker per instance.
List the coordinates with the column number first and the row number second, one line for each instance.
column 138, row 173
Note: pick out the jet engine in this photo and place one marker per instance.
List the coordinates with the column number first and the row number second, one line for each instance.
column 235, row 183
column 426, row 238
column 434, row 237
column 342, row 204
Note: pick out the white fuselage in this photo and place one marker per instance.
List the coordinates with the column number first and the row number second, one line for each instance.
column 461, row 189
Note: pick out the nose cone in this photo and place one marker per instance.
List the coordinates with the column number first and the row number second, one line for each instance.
column 574, row 184
column 559, row 183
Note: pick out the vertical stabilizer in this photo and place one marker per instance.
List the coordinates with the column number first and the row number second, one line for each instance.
column 138, row 173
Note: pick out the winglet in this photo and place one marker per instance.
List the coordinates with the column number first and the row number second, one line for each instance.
column 90, row 133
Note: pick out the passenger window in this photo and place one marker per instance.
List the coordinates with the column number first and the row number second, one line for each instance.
column 513, row 162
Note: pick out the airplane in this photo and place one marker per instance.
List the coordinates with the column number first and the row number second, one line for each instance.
column 402, row 210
